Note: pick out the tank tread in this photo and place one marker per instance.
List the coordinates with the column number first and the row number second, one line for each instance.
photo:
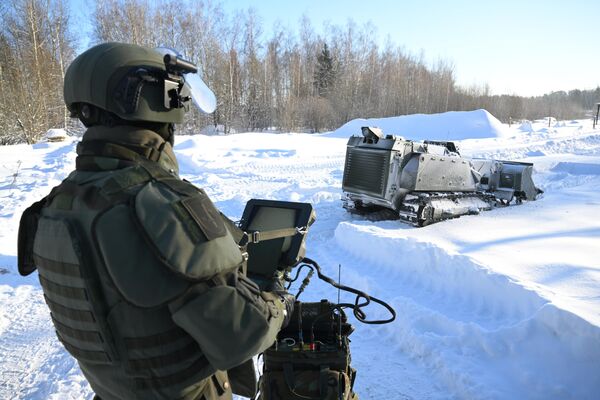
column 372, row 213
column 421, row 209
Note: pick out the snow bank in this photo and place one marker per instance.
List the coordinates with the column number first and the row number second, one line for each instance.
column 453, row 125
column 477, row 331
column 575, row 168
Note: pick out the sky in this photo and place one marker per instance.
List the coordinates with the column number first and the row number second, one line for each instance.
column 527, row 47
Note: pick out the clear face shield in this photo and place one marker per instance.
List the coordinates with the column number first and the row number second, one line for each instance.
column 184, row 82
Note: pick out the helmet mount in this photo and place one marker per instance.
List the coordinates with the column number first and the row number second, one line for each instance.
column 115, row 83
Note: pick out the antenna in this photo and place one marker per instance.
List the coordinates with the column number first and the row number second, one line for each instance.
column 339, row 310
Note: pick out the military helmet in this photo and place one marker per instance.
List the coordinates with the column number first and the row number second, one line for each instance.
column 133, row 82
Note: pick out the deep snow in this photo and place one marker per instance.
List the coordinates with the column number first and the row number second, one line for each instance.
column 497, row 306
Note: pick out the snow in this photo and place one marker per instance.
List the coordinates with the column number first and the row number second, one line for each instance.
column 453, row 125
column 502, row 305
column 55, row 134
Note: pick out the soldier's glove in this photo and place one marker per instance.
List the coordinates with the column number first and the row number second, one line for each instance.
column 286, row 298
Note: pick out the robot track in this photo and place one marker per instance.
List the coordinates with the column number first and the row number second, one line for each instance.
column 422, row 209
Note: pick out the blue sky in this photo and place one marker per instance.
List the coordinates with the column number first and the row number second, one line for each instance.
column 527, row 47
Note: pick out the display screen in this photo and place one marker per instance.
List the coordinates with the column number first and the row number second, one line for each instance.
column 267, row 256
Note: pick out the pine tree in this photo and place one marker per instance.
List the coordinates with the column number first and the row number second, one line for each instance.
column 325, row 72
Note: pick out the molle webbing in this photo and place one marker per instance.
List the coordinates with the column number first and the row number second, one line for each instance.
column 58, row 267
column 196, row 368
column 186, row 352
column 157, row 340
column 78, row 334
column 86, row 355
column 70, row 313
column 67, row 292
column 172, row 358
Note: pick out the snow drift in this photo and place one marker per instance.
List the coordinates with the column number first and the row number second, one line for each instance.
column 471, row 325
column 453, row 125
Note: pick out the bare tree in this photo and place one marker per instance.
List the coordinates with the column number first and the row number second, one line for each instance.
column 292, row 78
column 37, row 45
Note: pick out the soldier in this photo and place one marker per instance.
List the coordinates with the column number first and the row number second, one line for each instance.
column 143, row 276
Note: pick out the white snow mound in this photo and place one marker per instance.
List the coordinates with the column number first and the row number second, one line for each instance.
column 453, row 125
column 55, row 135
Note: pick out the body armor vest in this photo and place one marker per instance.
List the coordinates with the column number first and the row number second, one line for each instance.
column 106, row 283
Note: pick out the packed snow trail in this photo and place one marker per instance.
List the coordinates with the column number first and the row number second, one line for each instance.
column 497, row 306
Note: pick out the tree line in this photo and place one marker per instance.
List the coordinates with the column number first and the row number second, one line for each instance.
column 284, row 79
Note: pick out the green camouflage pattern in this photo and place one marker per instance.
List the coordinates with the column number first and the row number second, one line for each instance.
column 150, row 309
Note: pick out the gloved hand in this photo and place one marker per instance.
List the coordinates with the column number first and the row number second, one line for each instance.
column 288, row 300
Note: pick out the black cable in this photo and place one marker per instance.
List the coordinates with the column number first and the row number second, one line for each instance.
column 305, row 281
column 295, row 278
column 357, row 306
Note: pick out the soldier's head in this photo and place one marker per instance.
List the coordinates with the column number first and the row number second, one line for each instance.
column 117, row 83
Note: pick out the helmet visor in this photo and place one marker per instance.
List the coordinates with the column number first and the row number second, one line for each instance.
column 202, row 96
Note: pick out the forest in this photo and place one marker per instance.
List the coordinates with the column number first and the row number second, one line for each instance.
column 278, row 78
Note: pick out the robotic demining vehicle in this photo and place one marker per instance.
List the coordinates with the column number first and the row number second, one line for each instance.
column 389, row 177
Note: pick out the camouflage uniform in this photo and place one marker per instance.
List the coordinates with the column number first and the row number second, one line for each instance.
column 143, row 276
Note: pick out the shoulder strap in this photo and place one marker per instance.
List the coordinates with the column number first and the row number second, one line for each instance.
column 260, row 236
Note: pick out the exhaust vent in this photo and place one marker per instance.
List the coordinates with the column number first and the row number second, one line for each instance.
column 366, row 171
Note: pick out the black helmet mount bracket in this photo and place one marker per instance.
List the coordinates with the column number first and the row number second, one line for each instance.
column 175, row 92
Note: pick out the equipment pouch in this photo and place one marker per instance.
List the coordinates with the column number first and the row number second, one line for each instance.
column 186, row 232
column 307, row 384
column 27, row 229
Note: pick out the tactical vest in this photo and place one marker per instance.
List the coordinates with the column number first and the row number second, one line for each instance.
column 113, row 250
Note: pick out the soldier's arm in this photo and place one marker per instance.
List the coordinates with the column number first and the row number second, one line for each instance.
column 230, row 318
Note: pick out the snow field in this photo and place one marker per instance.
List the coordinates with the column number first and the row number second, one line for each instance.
column 497, row 306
